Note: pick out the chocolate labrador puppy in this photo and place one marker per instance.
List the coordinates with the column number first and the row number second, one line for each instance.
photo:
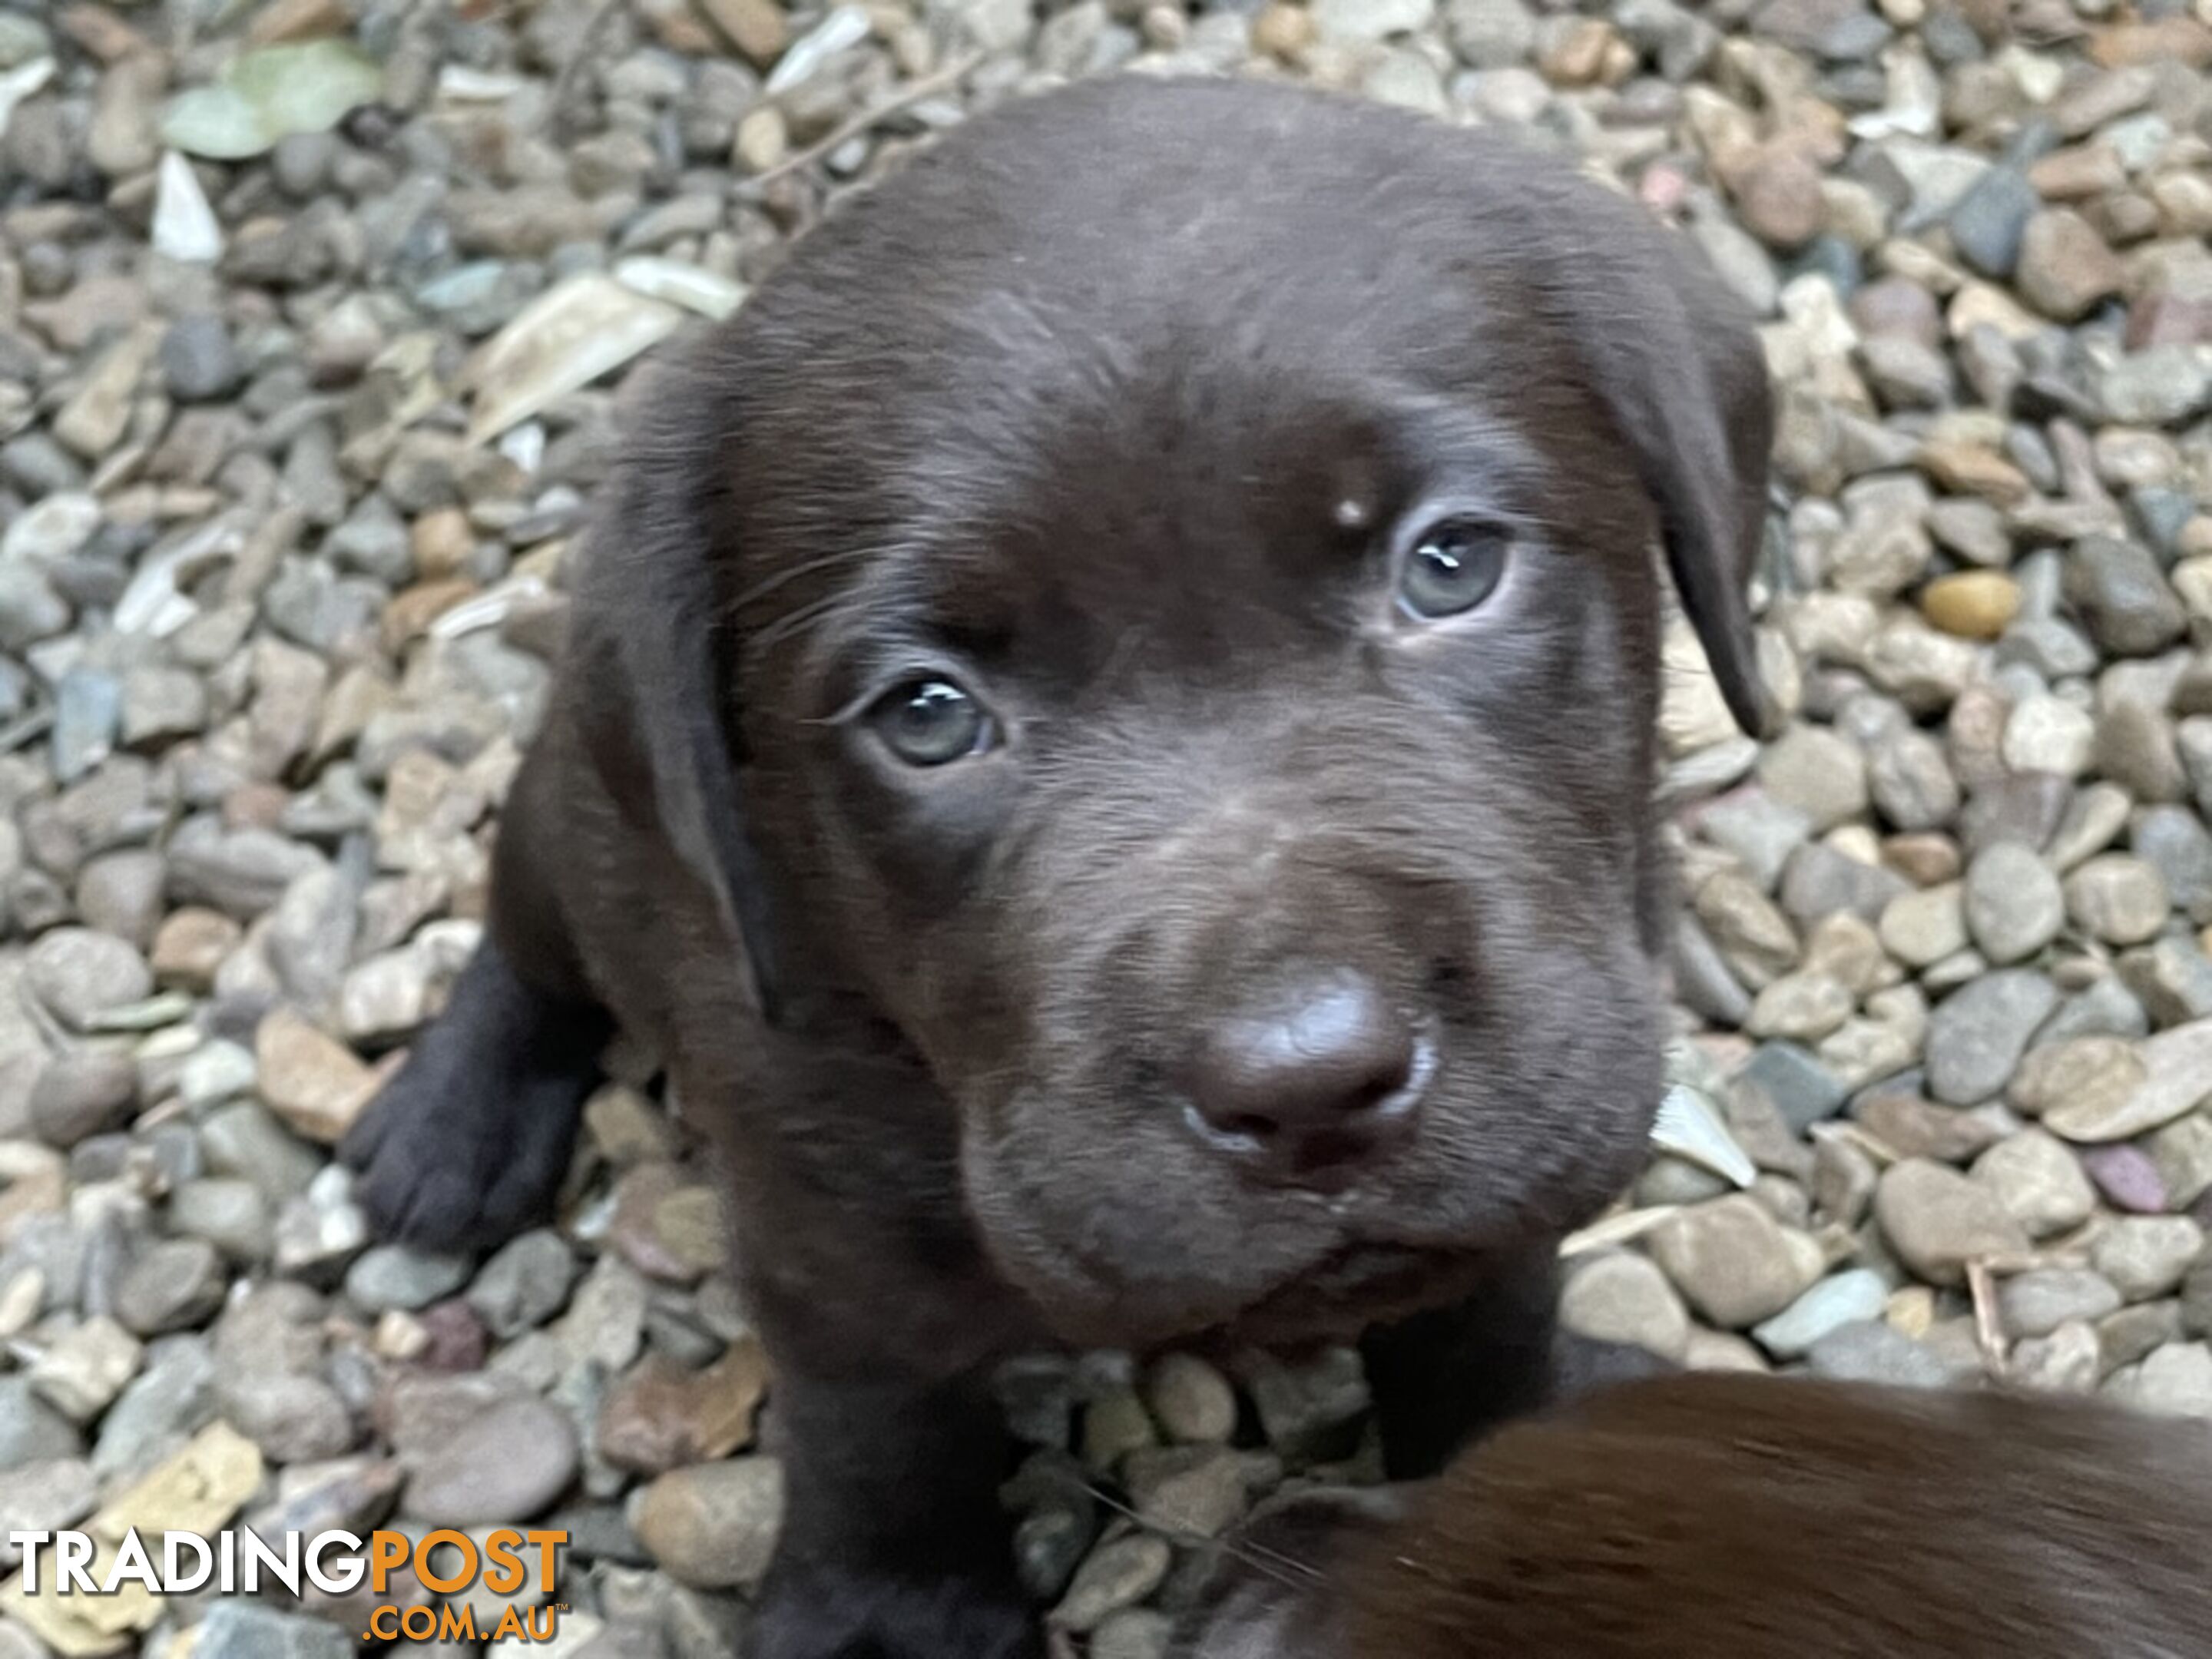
column 1108, row 740
column 1736, row 1517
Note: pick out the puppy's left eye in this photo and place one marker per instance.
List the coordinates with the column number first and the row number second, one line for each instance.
column 1452, row 567
column 929, row 721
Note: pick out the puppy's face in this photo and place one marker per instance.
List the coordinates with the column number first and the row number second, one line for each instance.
column 1212, row 723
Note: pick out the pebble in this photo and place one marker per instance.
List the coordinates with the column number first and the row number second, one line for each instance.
column 2122, row 596
column 1312, row 1409
column 2069, row 1360
column 2176, row 1381
column 2118, row 898
column 662, row 1416
column 233, row 1629
column 1119, row 1574
column 1989, row 221
column 2065, row 267
column 524, row 1285
column 1795, row 1084
column 232, row 1215
column 84, row 1370
column 175, row 1286
column 2038, row 1301
column 1838, row 1300
column 1733, row 1262
column 198, row 361
column 713, row 1526
column 399, row 1276
column 1819, row 773
column 32, row 1431
column 1974, row 605
column 1868, row 1351
column 1191, row 1401
column 2013, row 904
column 506, row 1461
column 290, row 1418
column 310, row 1081
column 2145, row 1257
column 1923, row 928
column 1938, row 1220
column 2120, row 1094
column 80, row 1094
column 1191, row 1492
column 1623, row 1297
column 2038, row 1181
column 2129, row 1179
column 80, row 975
column 1976, row 1036
column 169, row 1401
column 2048, row 734
column 44, row 1497
column 1132, row 1633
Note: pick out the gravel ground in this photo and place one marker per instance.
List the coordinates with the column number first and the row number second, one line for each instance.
column 313, row 314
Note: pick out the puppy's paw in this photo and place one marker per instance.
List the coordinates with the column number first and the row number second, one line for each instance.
column 823, row 1612
column 467, row 1145
column 456, row 1155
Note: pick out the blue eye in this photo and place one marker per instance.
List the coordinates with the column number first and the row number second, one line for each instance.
column 930, row 722
column 1452, row 567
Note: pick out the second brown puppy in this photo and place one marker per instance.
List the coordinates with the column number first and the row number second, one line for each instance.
column 1736, row 1517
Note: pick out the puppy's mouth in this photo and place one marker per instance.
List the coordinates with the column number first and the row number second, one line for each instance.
column 1353, row 1287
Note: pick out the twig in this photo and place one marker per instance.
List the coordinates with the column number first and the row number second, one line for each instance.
column 1988, row 1328
column 563, row 83
column 928, row 87
column 26, row 729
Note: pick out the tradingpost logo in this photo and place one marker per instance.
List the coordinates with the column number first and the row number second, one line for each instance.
column 508, row 1562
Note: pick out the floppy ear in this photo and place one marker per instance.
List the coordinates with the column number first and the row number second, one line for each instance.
column 1677, row 363
column 648, row 664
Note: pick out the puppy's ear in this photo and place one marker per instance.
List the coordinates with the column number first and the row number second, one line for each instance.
column 1678, row 364
column 646, row 667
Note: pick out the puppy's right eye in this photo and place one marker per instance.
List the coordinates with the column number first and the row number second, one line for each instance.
column 930, row 722
column 1452, row 566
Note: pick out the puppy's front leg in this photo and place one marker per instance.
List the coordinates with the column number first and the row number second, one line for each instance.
column 894, row 1543
column 468, row 1145
column 1440, row 1379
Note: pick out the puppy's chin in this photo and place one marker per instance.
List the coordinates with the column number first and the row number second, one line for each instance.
column 1141, row 1255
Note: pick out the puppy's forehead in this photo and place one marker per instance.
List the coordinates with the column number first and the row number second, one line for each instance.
column 1190, row 482
column 1149, row 356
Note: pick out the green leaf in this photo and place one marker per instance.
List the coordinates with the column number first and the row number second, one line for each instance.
column 269, row 94
column 214, row 122
column 307, row 88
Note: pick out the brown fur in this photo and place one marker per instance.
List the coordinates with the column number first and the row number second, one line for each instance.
column 1730, row 1517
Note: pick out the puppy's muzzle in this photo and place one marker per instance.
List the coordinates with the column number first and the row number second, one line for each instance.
column 1314, row 1082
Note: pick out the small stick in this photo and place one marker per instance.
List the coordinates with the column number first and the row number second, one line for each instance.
column 1988, row 1328
column 927, row 86
column 563, row 83
column 26, row 729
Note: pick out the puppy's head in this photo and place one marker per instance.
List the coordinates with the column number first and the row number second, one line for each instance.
column 1182, row 553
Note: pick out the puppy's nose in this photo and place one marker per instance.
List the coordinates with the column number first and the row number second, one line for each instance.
column 1319, row 1078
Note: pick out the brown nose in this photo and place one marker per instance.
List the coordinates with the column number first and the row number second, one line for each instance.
column 1319, row 1078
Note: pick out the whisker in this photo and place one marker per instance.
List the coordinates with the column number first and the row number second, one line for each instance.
column 768, row 585
column 794, row 622
column 1273, row 1563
